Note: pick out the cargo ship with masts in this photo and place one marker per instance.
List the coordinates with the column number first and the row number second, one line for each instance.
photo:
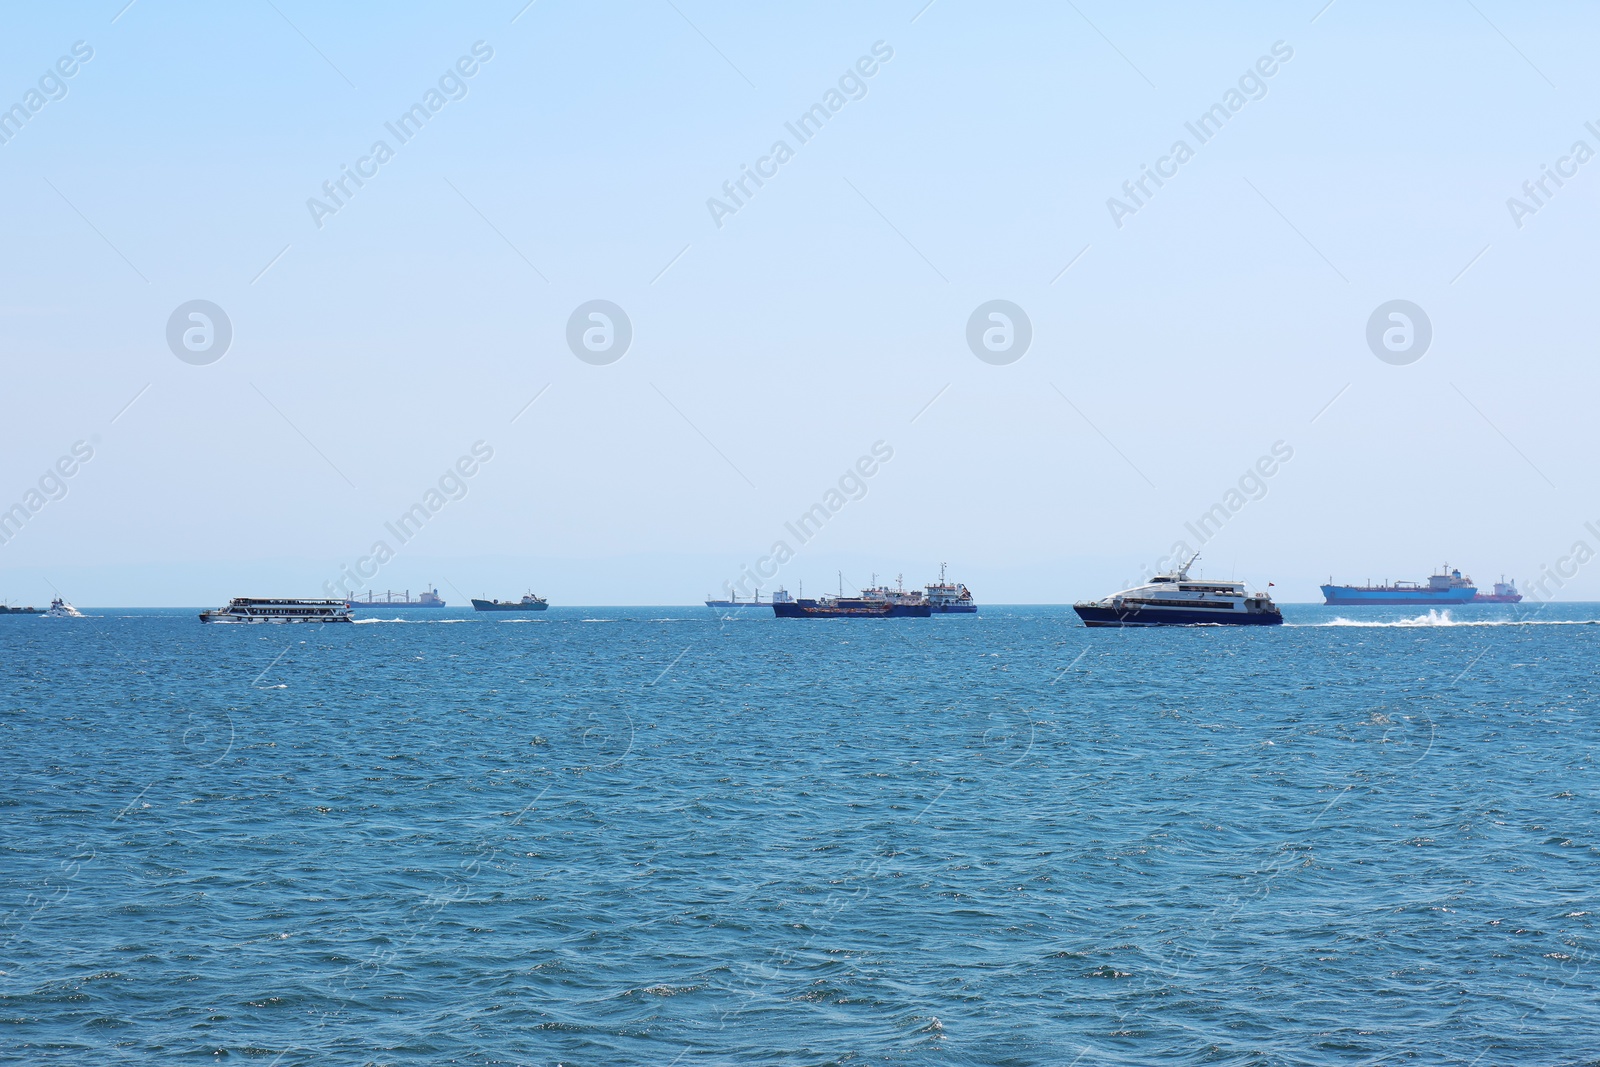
column 942, row 597
column 875, row 603
column 949, row 598
column 428, row 598
column 736, row 602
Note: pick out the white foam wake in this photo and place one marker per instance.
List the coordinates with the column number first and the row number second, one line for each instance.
column 1435, row 617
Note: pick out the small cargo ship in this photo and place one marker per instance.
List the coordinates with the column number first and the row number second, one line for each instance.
column 848, row 607
column 942, row 597
column 753, row 602
column 529, row 602
column 7, row 609
column 949, row 598
column 428, row 598
column 248, row 609
column 1177, row 600
column 1445, row 588
column 1504, row 593
column 898, row 594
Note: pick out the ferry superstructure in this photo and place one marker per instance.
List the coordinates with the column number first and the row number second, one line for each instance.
column 1175, row 599
column 251, row 609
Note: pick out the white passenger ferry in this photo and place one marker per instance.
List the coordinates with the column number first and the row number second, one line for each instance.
column 271, row 609
column 1175, row 599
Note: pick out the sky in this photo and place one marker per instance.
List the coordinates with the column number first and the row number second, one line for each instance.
column 1159, row 349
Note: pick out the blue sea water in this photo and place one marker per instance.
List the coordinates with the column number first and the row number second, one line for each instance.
column 655, row 836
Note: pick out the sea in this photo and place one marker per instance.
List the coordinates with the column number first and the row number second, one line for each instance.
column 669, row 836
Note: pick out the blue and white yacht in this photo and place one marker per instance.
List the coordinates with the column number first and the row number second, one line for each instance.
column 1175, row 599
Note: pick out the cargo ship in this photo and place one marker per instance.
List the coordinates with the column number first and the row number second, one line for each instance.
column 7, row 609
column 753, row 602
column 1504, row 593
column 1445, row 588
column 849, row 607
column 949, row 598
column 428, row 598
column 898, row 595
column 942, row 597
column 529, row 602
column 1174, row 599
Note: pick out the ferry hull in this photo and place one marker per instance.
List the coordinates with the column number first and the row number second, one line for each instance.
column 1095, row 615
column 1355, row 597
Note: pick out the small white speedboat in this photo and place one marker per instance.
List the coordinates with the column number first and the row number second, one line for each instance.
column 60, row 609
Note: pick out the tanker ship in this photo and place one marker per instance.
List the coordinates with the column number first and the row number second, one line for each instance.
column 1504, row 593
column 1445, row 588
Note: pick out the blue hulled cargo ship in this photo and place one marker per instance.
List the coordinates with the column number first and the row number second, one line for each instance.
column 848, row 607
column 1445, row 588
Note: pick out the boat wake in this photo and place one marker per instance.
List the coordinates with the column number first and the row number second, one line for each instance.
column 1434, row 617
column 414, row 622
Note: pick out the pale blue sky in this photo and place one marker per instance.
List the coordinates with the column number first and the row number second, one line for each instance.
column 820, row 318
